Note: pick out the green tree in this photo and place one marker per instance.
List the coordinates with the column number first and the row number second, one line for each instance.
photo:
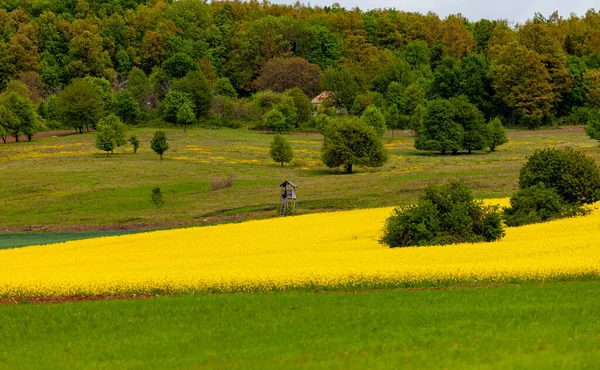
column 179, row 65
column 173, row 102
column 23, row 109
column 133, row 140
column 302, row 104
column 110, row 133
column 127, row 107
column 197, row 87
column 80, row 105
column 157, row 199
column 159, row 143
column 9, row 123
column 473, row 124
column 224, row 87
column 185, row 116
column 342, row 83
column 374, row 118
column 440, row 132
column 281, row 150
column 573, row 175
column 350, row 142
column 275, row 121
column 496, row 134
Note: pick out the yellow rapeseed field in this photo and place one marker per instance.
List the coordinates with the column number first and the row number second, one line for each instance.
column 319, row 250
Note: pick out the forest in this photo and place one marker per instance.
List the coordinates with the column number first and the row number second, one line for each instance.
column 68, row 63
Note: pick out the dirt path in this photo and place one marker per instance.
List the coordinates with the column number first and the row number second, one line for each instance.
column 41, row 135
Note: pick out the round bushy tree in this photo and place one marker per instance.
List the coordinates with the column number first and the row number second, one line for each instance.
column 440, row 131
column 574, row 176
column 496, row 134
column 110, row 133
column 281, row 150
column 173, row 102
column 275, row 121
column 179, row 65
column 126, row 106
column 185, row 116
column 374, row 118
column 350, row 142
column 159, row 143
column 593, row 125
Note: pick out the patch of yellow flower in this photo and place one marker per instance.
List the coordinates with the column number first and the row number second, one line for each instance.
column 319, row 250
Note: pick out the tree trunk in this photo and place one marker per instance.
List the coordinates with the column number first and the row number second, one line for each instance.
column 161, row 156
column 184, row 128
column 80, row 130
column 443, row 151
column 16, row 138
column 469, row 150
column 392, row 134
column 349, row 168
column 4, row 139
column 454, row 151
column 29, row 137
column 513, row 118
column 281, row 163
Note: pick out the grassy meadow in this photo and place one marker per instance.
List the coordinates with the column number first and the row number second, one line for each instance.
column 553, row 326
column 65, row 184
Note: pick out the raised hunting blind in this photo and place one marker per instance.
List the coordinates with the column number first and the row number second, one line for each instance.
column 288, row 198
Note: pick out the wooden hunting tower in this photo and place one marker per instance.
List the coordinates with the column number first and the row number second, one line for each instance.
column 288, row 197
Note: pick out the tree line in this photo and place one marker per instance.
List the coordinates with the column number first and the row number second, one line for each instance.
column 232, row 63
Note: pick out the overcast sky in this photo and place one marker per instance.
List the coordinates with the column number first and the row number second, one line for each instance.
column 513, row 10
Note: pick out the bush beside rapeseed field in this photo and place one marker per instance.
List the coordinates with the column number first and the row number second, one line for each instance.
column 312, row 251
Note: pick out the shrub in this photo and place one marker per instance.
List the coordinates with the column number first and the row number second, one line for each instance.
column 374, row 118
column 444, row 214
column 221, row 183
column 574, row 177
column 537, row 204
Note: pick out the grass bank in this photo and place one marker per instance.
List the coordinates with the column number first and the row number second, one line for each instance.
column 65, row 184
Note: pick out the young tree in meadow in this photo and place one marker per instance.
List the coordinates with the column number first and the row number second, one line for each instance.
column 157, row 199
column 350, row 142
column 80, row 105
column 275, row 121
column 496, row 134
column 159, row 143
column 135, row 142
column 110, row 133
column 185, row 116
column 374, row 118
column 281, row 150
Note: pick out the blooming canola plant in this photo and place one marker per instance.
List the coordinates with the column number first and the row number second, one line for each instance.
column 328, row 250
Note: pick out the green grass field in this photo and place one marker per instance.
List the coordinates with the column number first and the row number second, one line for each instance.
column 16, row 240
column 553, row 326
column 65, row 184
